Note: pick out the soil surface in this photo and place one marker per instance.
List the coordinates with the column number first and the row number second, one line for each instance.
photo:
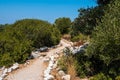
column 34, row 71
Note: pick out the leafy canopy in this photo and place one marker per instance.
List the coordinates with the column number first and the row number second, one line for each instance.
column 18, row 40
column 63, row 24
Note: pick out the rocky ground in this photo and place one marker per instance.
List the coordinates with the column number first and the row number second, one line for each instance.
column 43, row 66
column 35, row 69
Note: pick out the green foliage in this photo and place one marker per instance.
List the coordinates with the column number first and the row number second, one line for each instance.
column 106, row 39
column 3, row 26
column 79, row 37
column 83, row 66
column 47, row 36
column 101, row 76
column 67, row 61
column 105, row 43
column 40, row 32
column 17, row 40
column 103, row 2
column 102, row 57
column 117, row 78
column 87, row 20
column 62, row 64
column 12, row 48
column 63, row 24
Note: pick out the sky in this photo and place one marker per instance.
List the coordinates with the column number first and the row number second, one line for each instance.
column 48, row 10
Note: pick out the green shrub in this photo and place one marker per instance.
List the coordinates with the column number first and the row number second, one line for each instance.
column 18, row 40
column 67, row 61
column 79, row 37
column 117, row 78
column 63, row 24
column 68, row 64
column 101, row 76
column 104, row 47
column 62, row 63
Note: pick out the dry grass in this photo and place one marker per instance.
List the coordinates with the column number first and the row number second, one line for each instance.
column 54, row 72
column 68, row 63
column 71, row 71
column 78, row 43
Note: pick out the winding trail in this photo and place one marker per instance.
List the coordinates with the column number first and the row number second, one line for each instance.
column 35, row 70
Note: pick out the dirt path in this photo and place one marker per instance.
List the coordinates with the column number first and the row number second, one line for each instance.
column 35, row 70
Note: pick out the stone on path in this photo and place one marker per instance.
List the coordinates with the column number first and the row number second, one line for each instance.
column 66, row 77
column 61, row 73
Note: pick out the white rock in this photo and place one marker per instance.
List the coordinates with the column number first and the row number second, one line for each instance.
column 45, row 78
column 49, row 77
column 41, row 57
column 52, row 58
column 51, row 63
column 46, row 72
column 1, row 78
column 3, row 75
column 46, row 75
column 49, row 68
column 15, row 66
column 9, row 70
column 66, row 77
column 61, row 73
column 28, row 62
column 5, row 71
column 54, row 66
column 46, row 60
column 35, row 54
column 56, row 55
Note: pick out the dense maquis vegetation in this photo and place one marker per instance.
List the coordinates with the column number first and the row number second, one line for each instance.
column 88, row 18
column 103, row 54
column 103, row 2
column 2, row 27
column 63, row 24
column 101, row 60
column 105, row 43
column 17, row 40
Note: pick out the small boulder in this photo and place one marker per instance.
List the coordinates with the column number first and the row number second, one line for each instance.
column 49, row 77
column 61, row 73
column 47, row 59
column 54, row 66
column 1, row 78
column 3, row 75
column 9, row 70
column 66, row 77
column 15, row 66
column 5, row 71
